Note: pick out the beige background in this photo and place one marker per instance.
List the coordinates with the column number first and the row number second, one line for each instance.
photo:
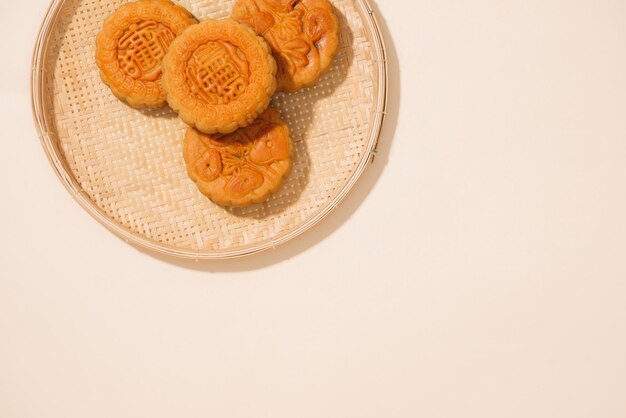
column 478, row 270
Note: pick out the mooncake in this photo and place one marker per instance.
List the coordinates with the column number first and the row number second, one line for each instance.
column 219, row 76
column 242, row 168
column 303, row 35
column 131, row 46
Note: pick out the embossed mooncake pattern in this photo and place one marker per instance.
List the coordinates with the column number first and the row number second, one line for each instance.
column 132, row 45
column 219, row 76
column 303, row 35
column 244, row 167
column 142, row 48
column 217, row 73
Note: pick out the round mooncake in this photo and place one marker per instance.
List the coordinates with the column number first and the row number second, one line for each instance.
column 244, row 167
column 131, row 46
column 303, row 34
column 219, row 76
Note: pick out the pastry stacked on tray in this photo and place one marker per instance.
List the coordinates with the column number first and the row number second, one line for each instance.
column 219, row 76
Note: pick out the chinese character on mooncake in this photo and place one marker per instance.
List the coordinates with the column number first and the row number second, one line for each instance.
column 302, row 33
column 219, row 76
column 132, row 45
column 242, row 168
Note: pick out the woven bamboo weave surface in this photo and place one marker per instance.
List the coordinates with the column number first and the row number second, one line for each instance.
column 129, row 163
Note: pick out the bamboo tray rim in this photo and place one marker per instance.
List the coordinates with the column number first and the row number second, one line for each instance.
column 55, row 156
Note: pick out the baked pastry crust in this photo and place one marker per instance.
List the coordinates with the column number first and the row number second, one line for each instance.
column 303, row 34
column 219, row 76
column 242, row 168
column 131, row 47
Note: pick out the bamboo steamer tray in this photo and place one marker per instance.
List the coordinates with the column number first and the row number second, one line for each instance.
column 125, row 167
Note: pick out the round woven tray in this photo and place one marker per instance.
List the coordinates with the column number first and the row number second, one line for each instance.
column 126, row 168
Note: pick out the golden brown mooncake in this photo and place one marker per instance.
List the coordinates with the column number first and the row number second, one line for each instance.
column 242, row 168
column 219, row 76
column 303, row 34
column 131, row 47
